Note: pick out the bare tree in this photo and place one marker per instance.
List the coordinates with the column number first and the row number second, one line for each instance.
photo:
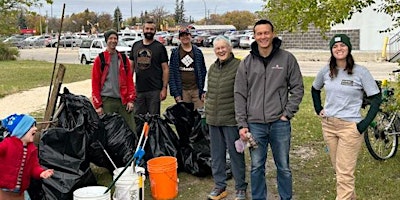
column 157, row 15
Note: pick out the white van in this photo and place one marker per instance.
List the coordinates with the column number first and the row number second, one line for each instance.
column 81, row 35
column 130, row 33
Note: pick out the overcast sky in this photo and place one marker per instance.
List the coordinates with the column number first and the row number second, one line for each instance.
column 194, row 8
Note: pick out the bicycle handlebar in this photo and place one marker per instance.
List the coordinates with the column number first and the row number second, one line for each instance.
column 396, row 71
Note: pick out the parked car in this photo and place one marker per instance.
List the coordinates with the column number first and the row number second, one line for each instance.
column 90, row 48
column 198, row 40
column 235, row 41
column 245, row 41
column 129, row 33
column 165, row 35
column 65, row 41
column 96, row 35
column 28, row 42
column 81, row 35
column 161, row 39
column 15, row 39
column 42, row 40
column 235, row 36
column 209, row 41
column 130, row 40
column 175, row 40
column 229, row 33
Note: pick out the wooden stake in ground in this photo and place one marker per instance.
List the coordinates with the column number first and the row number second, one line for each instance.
column 53, row 93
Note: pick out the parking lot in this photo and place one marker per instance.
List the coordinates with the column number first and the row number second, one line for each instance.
column 310, row 61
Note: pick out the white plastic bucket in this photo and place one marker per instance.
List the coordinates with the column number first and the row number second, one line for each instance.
column 92, row 193
column 127, row 186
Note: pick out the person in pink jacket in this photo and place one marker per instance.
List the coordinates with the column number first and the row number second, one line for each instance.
column 19, row 157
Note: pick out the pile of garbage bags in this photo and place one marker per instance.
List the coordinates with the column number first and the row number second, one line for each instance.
column 82, row 137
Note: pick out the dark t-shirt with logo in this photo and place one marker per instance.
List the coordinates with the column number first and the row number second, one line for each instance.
column 186, row 66
column 148, row 69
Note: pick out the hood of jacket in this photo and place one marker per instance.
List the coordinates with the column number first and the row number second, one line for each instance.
column 276, row 44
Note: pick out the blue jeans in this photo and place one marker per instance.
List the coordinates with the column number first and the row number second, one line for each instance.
column 222, row 138
column 277, row 134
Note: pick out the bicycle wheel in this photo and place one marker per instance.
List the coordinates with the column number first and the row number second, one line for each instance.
column 381, row 143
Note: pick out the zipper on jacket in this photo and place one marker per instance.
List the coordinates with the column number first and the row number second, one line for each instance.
column 265, row 62
column 280, row 101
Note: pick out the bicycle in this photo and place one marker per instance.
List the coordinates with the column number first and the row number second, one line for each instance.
column 381, row 137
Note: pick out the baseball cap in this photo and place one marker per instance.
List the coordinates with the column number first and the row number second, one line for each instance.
column 184, row 31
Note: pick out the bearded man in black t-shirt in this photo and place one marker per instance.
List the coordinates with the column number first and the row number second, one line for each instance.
column 150, row 63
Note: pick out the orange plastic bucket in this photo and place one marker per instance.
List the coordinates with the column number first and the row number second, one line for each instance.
column 163, row 177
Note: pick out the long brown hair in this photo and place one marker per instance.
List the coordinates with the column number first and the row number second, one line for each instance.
column 349, row 65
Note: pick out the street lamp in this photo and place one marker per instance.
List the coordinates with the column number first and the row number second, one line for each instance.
column 205, row 12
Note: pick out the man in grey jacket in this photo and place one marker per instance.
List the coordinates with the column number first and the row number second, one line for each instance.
column 268, row 91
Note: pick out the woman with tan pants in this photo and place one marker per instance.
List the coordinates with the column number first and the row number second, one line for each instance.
column 342, row 123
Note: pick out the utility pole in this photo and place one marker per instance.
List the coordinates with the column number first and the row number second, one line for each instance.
column 205, row 12
column 131, row 11
column 47, row 23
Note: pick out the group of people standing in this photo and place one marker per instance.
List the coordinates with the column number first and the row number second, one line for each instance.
column 256, row 96
column 259, row 95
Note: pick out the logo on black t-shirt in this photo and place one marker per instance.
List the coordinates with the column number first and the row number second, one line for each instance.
column 144, row 58
column 187, row 62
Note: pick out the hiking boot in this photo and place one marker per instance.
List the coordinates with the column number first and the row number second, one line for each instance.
column 217, row 193
column 240, row 195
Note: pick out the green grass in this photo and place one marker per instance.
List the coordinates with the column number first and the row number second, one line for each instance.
column 313, row 175
column 16, row 76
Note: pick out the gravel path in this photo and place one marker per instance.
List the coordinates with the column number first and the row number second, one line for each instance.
column 35, row 99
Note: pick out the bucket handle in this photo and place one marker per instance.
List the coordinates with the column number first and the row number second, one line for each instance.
column 170, row 177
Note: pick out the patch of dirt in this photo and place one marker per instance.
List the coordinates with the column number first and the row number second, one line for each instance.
column 303, row 152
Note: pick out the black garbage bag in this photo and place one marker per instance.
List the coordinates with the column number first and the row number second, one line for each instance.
column 79, row 112
column 162, row 140
column 194, row 138
column 65, row 151
column 45, row 189
column 35, row 190
column 79, row 107
column 182, row 116
column 121, row 141
column 3, row 132
column 67, row 148
column 197, row 154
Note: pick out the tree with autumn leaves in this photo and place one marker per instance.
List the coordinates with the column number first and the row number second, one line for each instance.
column 298, row 15
column 10, row 13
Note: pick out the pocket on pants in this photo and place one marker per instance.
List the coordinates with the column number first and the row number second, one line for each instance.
column 355, row 130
